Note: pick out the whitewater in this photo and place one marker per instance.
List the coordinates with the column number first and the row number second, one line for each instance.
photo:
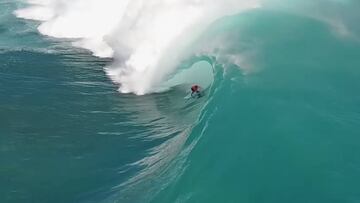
column 140, row 35
column 93, row 108
column 147, row 39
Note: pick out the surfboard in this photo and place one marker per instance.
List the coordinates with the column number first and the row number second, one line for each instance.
column 187, row 97
column 195, row 96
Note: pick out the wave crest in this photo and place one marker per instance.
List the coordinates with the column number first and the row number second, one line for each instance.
column 146, row 38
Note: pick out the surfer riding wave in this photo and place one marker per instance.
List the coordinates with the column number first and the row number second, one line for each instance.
column 195, row 91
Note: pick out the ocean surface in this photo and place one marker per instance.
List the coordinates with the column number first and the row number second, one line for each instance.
column 279, row 121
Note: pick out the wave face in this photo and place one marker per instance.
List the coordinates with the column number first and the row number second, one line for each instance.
column 285, row 131
column 279, row 121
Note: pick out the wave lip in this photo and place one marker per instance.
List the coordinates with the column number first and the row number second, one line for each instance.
column 146, row 39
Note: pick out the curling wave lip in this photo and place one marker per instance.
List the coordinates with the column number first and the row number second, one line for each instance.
column 145, row 38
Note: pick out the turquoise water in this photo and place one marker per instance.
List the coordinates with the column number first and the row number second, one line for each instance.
column 280, row 124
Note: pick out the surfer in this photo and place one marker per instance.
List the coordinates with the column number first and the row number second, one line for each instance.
column 195, row 91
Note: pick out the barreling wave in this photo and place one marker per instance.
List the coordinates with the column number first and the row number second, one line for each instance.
column 156, row 48
column 166, row 162
column 146, row 39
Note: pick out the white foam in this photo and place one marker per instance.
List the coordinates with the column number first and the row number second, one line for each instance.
column 146, row 38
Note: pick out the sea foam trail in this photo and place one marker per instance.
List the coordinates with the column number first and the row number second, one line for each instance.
column 145, row 38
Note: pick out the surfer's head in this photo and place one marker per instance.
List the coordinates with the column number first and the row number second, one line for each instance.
column 195, row 88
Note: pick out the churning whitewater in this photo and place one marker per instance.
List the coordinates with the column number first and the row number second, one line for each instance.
column 146, row 38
